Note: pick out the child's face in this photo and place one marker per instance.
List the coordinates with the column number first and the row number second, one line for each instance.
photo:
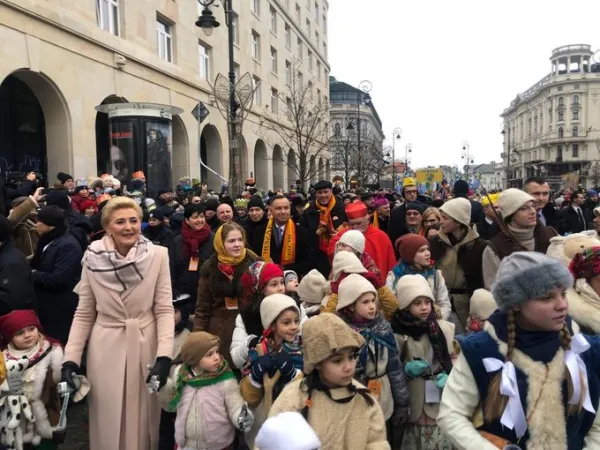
column 420, row 308
column 365, row 307
column 287, row 325
column 338, row 370
column 274, row 286
column 292, row 285
column 26, row 337
column 341, row 247
column 211, row 361
column 423, row 256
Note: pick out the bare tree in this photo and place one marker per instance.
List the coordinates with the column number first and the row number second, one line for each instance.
column 305, row 127
column 343, row 150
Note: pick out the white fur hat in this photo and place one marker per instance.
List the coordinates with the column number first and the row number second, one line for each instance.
column 354, row 239
column 287, row 430
column 511, row 200
column 458, row 209
column 409, row 287
column 482, row 304
column 346, row 262
column 351, row 288
column 313, row 287
column 273, row 305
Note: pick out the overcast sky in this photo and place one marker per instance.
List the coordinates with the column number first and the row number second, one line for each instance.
column 444, row 71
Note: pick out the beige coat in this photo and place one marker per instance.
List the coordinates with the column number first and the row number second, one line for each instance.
column 340, row 426
column 584, row 306
column 126, row 333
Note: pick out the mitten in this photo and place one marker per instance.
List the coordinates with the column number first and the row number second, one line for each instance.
column 68, row 372
column 252, row 341
column 440, row 380
column 415, row 368
column 400, row 416
column 245, row 419
column 286, row 368
column 260, row 368
column 161, row 369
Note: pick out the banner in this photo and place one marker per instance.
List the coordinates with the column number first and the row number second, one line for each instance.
column 429, row 178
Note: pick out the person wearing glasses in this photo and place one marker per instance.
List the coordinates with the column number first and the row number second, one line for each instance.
column 521, row 232
column 397, row 226
column 430, row 219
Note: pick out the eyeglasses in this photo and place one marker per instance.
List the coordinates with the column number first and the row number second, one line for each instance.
column 413, row 214
column 431, row 221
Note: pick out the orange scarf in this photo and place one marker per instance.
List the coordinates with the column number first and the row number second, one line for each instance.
column 288, row 244
column 375, row 217
column 326, row 223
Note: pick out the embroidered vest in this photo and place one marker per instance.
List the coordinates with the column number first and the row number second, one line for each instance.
column 481, row 345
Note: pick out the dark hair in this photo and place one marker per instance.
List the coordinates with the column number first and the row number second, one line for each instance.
column 193, row 208
column 278, row 197
column 575, row 195
column 536, row 180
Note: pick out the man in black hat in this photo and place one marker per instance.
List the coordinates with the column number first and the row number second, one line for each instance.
column 157, row 230
column 461, row 190
column 79, row 225
column 16, row 285
column 257, row 217
column 210, row 213
column 368, row 198
column 322, row 219
column 397, row 226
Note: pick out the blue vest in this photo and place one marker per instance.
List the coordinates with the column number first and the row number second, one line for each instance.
column 481, row 345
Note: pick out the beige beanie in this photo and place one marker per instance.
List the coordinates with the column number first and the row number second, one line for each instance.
column 323, row 336
column 511, row 200
column 482, row 304
column 354, row 239
column 409, row 287
column 458, row 209
column 346, row 262
column 196, row 345
column 351, row 288
column 313, row 287
column 273, row 305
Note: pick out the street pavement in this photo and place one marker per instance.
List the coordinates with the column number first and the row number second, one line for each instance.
column 77, row 428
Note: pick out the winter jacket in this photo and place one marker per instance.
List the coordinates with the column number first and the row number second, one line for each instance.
column 80, row 228
column 487, row 230
column 16, row 284
column 212, row 315
column 584, row 307
column 438, row 287
column 341, row 425
column 411, row 349
column 77, row 200
column 24, row 231
column 54, row 279
column 183, row 280
column 160, row 235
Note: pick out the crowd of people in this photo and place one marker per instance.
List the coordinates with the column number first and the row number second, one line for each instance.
column 328, row 319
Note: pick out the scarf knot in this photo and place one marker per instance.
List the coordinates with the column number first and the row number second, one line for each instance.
column 193, row 239
column 186, row 376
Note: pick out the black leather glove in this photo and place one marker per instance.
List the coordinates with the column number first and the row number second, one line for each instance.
column 67, row 374
column 284, row 363
column 260, row 367
column 161, row 368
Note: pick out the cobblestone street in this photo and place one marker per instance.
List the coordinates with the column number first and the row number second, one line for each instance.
column 77, row 434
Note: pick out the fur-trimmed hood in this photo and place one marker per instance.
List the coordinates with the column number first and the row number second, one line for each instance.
column 584, row 306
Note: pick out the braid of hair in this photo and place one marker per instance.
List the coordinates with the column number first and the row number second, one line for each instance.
column 565, row 338
column 307, row 385
column 512, row 334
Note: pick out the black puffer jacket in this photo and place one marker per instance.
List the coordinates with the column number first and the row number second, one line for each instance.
column 183, row 280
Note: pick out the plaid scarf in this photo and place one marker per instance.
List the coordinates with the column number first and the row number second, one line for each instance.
column 116, row 272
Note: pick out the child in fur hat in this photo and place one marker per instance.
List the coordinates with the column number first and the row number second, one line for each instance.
column 275, row 361
column 341, row 411
column 379, row 366
column 415, row 258
column 207, row 397
column 23, row 339
column 528, row 350
column 314, row 291
column 426, row 349
column 345, row 263
column 482, row 306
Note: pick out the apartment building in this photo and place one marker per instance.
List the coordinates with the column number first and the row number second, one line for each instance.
column 61, row 59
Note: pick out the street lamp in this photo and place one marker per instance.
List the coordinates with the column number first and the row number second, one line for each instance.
column 396, row 134
column 466, row 156
column 407, row 150
column 364, row 87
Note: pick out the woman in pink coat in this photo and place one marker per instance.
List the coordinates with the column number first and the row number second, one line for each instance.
column 125, row 309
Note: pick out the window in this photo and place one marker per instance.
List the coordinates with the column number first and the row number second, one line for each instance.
column 107, row 13
column 257, row 90
column 235, row 23
column 289, row 107
column 255, row 45
column 325, row 99
column 237, row 71
column 575, row 150
column 561, row 101
column 273, row 60
column 298, row 15
column 308, row 30
column 316, row 12
column 310, row 90
column 317, row 39
column 274, row 101
column 310, row 60
column 325, row 49
column 300, row 48
column 559, row 88
column 561, row 132
column 319, row 95
column 273, row 16
column 255, row 7
column 300, row 80
column 559, row 149
column 319, row 70
column 575, row 115
column 576, row 99
column 324, row 24
column 288, row 72
column 561, row 116
column 288, row 36
column 575, row 131
column 164, row 40
column 204, row 52
column 575, row 86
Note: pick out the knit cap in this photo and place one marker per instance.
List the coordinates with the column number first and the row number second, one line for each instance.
column 354, row 239
column 52, row 216
column 586, row 264
column 287, row 430
column 5, row 229
column 351, row 288
column 88, row 204
column 58, row 198
column 346, row 262
column 323, row 336
column 64, row 177
column 289, row 275
column 415, row 206
column 511, row 200
column 524, row 276
column 409, row 287
column 81, row 188
column 17, row 320
column 408, row 246
column 461, row 187
column 313, row 287
column 211, row 204
column 592, row 193
column 458, row 209
column 157, row 213
column 258, row 275
column 196, row 345
column 273, row 305
column 482, row 304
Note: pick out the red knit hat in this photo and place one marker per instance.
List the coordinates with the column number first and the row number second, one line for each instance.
column 356, row 210
column 88, row 204
column 16, row 320
column 258, row 275
column 408, row 246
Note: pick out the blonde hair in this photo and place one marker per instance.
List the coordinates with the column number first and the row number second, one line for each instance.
column 495, row 403
column 431, row 211
column 116, row 204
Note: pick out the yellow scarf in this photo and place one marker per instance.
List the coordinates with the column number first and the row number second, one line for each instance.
column 325, row 222
column 222, row 255
column 375, row 220
column 288, row 247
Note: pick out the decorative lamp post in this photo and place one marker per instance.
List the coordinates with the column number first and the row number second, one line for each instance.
column 407, row 150
column 466, row 156
column 396, row 134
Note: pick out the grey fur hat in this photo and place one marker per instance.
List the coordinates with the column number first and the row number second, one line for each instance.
column 525, row 276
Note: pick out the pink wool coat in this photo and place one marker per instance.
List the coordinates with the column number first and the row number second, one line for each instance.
column 126, row 332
